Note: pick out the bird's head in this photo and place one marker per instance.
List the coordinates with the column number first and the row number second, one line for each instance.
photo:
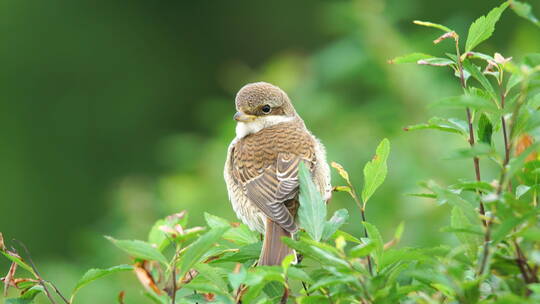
column 258, row 100
column 260, row 105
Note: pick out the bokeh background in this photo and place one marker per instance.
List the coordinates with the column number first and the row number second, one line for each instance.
column 114, row 114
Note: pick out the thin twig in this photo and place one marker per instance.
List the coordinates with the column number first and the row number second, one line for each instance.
column 36, row 273
column 305, row 288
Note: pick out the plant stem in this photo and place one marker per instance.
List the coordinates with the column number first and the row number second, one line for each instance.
column 370, row 267
column 362, row 207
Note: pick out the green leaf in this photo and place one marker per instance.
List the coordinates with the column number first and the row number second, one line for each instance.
column 237, row 278
column 399, row 231
column 480, row 77
column 524, row 10
column 507, row 225
column 348, row 237
column 451, row 125
column 95, row 273
column 472, row 185
column 410, row 58
column 513, row 81
column 467, row 100
column 312, row 211
column 434, row 25
column 485, row 129
column 479, row 149
column 315, row 299
column 332, row 280
column 298, row 274
column 376, row 238
column 448, row 196
column 326, row 257
column 393, row 256
column 362, row 250
column 139, row 249
column 215, row 221
column 19, row 261
column 337, row 220
column 212, row 274
column 157, row 237
column 245, row 253
column 459, row 221
column 197, row 249
column 522, row 189
column 241, row 235
column 27, row 297
column 435, row 61
column 375, row 170
column 483, row 27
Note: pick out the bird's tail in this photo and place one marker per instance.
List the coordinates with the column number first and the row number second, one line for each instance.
column 273, row 249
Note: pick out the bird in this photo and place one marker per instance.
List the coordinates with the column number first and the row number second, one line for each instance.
column 262, row 164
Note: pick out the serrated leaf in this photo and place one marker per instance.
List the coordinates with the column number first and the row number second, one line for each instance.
column 524, row 10
column 197, row 249
column 95, row 273
column 409, row 58
column 434, row 25
column 312, row 211
column 483, row 27
column 485, row 129
column 375, row 170
column 139, row 249
column 337, row 220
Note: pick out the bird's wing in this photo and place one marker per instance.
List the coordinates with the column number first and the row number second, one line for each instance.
column 277, row 184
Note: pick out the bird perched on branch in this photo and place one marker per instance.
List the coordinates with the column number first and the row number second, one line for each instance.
column 261, row 170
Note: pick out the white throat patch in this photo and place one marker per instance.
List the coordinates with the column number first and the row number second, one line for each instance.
column 245, row 128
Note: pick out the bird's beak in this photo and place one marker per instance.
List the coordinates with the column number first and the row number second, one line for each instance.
column 243, row 117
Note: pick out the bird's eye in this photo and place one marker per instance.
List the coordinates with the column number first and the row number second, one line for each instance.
column 266, row 109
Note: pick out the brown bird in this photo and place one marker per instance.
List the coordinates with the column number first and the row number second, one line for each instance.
column 261, row 170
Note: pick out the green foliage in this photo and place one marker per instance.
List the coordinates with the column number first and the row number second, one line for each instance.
column 483, row 27
column 375, row 170
column 95, row 274
column 312, row 211
column 493, row 219
column 139, row 249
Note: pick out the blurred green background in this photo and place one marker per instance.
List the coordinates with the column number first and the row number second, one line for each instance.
column 116, row 113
